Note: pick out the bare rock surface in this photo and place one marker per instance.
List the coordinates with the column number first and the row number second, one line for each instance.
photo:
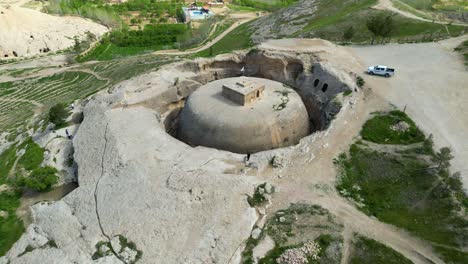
column 286, row 22
column 26, row 32
column 175, row 203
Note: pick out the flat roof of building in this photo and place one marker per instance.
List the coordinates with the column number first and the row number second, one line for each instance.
column 244, row 87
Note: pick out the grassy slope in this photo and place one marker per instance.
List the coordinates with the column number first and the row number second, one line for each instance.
column 463, row 49
column 406, row 190
column 368, row 251
column 431, row 5
column 11, row 228
column 335, row 16
column 109, row 51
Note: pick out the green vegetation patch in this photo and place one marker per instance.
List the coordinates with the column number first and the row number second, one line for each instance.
column 267, row 5
column 11, row 227
column 369, row 251
column 7, row 160
column 261, row 195
column 463, row 49
column 41, row 179
column 384, row 129
column 404, row 190
column 410, row 187
column 33, row 155
column 348, row 20
column 59, row 87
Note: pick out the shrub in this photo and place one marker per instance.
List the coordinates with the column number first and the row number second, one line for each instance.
column 360, row 81
column 57, row 114
column 349, row 33
column 41, row 179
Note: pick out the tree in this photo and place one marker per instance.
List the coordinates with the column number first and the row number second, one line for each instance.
column 349, row 33
column 57, row 114
column 77, row 46
column 428, row 144
column 380, row 25
column 41, row 179
column 443, row 158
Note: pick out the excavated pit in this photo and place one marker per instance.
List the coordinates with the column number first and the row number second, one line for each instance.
column 318, row 86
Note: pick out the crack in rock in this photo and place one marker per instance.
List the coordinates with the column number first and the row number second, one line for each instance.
column 96, row 195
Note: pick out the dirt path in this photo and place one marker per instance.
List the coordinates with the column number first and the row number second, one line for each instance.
column 246, row 17
column 388, row 5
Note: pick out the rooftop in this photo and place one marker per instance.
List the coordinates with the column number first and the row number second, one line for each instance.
column 244, row 87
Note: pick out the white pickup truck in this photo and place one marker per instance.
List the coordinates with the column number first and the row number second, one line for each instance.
column 381, row 70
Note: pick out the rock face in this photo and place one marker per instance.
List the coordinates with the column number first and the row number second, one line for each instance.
column 286, row 22
column 26, row 32
column 171, row 202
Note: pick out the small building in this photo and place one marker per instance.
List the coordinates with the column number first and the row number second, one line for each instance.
column 196, row 13
column 243, row 92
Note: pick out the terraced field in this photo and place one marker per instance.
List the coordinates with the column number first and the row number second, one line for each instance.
column 22, row 98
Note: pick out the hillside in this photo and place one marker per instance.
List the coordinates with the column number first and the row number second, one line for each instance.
column 332, row 19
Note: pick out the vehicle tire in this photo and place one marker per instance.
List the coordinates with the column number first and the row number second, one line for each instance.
column 371, row 73
column 387, row 75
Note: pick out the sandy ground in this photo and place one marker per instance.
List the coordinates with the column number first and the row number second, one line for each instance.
column 28, row 32
column 432, row 83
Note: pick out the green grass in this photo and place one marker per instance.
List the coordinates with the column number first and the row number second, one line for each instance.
column 369, row 251
column 452, row 255
column 33, row 155
column 397, row 189
column 463, row 50
column 267, row 5
column 60, row 87
column 7, row 159
column 377, row 129
column 109, row 51
column 237, row 39
column 11, row 228
column 239, row 8
column 437, row 5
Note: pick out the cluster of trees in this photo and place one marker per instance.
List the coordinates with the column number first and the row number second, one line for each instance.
column 151, row 35
column 381, row 25
column 149, row 6
column 57, row 115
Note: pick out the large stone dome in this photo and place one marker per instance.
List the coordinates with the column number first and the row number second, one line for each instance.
column 243, row 115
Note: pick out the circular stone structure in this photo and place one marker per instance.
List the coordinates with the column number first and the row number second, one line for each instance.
column 243, row 115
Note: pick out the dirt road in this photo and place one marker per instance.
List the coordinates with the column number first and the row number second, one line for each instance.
column 432, row 83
